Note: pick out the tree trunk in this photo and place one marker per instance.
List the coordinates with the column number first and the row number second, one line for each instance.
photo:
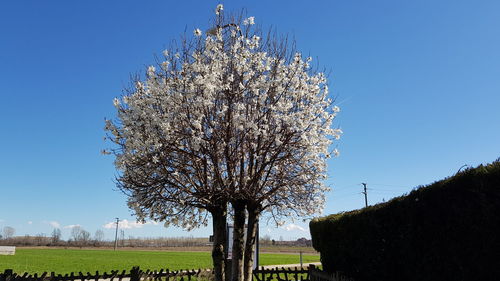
column 219, row 217
column 253, row 222
column 238, row 240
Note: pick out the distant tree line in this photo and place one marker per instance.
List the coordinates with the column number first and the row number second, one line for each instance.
column 79, row 237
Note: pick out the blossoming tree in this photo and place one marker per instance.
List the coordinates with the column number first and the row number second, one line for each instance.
column 227, row 118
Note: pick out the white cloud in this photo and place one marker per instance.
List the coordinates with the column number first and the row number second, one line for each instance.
column 30, row 222
column 294, row 227
column 55, row 224
column 72, row 225
column 126, row 224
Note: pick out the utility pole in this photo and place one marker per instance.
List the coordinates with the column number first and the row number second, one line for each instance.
column 365, row 193
column 116, row 232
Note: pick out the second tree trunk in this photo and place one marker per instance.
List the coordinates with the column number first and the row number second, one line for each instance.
column 239, row 207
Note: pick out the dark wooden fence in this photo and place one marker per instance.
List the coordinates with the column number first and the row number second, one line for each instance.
column 281, row 274
column 310, row 273
column 136, row 274
column 319, row 275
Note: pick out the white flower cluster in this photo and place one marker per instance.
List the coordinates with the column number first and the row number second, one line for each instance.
column 249, row 21
column 219, row 9
column 226, row 117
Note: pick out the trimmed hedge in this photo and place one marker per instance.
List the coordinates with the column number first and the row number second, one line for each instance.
column 449, row 230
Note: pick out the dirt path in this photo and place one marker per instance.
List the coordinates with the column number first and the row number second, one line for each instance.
column 290, row 265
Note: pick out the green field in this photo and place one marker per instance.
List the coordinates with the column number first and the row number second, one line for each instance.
column 64, row 261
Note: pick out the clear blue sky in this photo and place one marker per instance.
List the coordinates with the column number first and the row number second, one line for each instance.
column 418, row 83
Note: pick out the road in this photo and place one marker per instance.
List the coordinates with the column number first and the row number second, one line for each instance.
column 290, row 265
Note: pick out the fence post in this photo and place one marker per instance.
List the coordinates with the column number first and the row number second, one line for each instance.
column 135, row 274
column 7, row 275
column 310, row 270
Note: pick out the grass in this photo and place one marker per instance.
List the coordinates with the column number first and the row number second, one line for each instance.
column 62, row 261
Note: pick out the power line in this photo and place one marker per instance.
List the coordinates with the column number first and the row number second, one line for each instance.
column 388, row 185
column 347, row 195
column 347, row 187
column 387, row 190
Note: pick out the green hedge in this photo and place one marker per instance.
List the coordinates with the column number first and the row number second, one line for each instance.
column 449, row 230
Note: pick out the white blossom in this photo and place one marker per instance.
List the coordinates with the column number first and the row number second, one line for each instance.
column 197, row 32
column 219, row 9
column 155, row 159
column 249, row 21
column 151, row 70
